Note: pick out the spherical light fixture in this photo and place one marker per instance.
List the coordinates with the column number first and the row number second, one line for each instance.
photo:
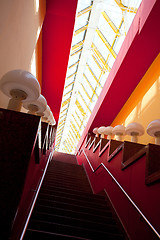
column 101, row 131
column 20, row 86
column 119, row 131
column 47, row 113
column 108, row 132
column 95, row 131
column 153, row 129
column 134, row 130
column 36, row 107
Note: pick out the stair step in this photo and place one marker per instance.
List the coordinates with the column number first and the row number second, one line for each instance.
column 69, row 199
column 72, row 213
column 66, row 180
column 70, row 230
column 75, row 207
column 68, row 184
column 32, row 234
column 65, row 166
column 62, row 189
column 63, row 163
column 109, row 226
column 69, row 178
column 60, row 186
column 56, row 172
column 74, row 195
column 64, row 157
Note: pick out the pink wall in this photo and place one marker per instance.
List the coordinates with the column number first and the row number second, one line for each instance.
column 132, row 179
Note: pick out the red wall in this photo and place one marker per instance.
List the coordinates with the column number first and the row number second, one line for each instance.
column 32, row 180
column 132, row 179
column 56, row 43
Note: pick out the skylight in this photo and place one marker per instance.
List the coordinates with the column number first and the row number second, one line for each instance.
column 100, row 29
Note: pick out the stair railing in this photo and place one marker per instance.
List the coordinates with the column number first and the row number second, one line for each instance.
column 36, row 195
column 124, row 192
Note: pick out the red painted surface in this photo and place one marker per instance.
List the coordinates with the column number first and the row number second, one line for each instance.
column 32, row 180
column 132, row 179
column 56, row 43
column 137, row 53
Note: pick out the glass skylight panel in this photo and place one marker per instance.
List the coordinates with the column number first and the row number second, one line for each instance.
column 83, row 93
column 79, row 113
column 83, row 4
column 104, row 78
column 101, row 46
column 79, row 116
column 87, row 88
column 67, row 91
column 94, row 67
column 111, row 61
column 82, row 102
column 128, row 16
column 106, row 29
column 89, row 76
column 85, row 123
column 79, row 37
column 98, row 63
column 72, row 70
column 92, row 105
column 82, row 20
column 98, row 90
column 66, row 97
column 74, row 58
column 113, row 11
column 77, row 120
column 69, row 81
column 118, row 43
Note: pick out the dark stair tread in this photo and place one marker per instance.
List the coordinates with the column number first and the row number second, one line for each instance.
column 76, row 221
column 68, row 230
column 71, row 212
column 64, row 157
column 67, row 174
column 68, row 185
column 32, row 234
column 64, row 166
column 65, row 178
column 70, row 199
column 73, row 206
column 63, row 163
column 65, row 182
column 75, row 194
column 82, row 191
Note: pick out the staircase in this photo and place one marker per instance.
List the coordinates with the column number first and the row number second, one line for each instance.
column 66, row 208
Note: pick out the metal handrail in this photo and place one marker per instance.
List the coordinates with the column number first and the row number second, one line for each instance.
column 129, row 198
column 36, row 195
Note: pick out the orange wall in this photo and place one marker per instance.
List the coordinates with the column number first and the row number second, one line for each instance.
column 21, row 23
column 143, row 106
